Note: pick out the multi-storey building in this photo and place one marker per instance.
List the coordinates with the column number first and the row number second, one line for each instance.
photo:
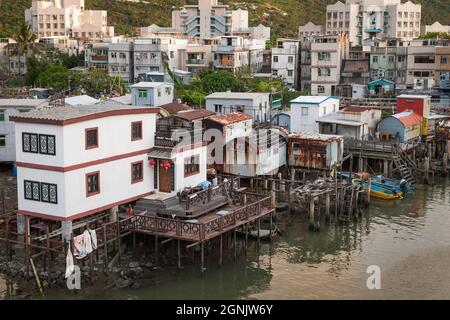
column 234, row 53
column 363, row 20
column 199, row 55
column 388, row 60
column 310, row 30
column 120, row 60
column 327, row 53
column 208, row 19
column 96, row 55
column 421, row 64
column 442, row 72
column 286, row 61
column 305, row 65
column 150, row 54
column 436, row 27
column 67, row 18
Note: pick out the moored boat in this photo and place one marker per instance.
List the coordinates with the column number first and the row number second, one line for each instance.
column 378, row 190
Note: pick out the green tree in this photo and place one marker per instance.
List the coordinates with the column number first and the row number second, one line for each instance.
column 54, row 76
column 25, row 41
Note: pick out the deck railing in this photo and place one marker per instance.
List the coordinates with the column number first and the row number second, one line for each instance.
column 196, row 231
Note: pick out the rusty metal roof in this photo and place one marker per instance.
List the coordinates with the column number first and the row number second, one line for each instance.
column 175, row 107
column 314, row 136
column 226, row 119
column 408, row 118
column 194, row 114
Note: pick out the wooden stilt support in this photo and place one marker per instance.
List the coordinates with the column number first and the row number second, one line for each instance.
column 156, row 249
column 246, row 237
column 202, row 249
column 179, row 254
column 221, row 251
column 235, row 244
column 27, row 249
column 105, row 249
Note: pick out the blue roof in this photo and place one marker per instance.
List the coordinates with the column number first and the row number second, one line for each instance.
column 312, row 99
column 381, row 81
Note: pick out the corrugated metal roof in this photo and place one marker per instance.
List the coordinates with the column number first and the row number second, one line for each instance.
column 414, row 96
column 194, row 114
column 83, row 100
column 312, row 99
column 175, row 107
column 314, row 136
column 23, row 102
column 408, row 118
column 236, row 95
column 226, row 119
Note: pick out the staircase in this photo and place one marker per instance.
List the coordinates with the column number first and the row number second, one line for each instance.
column 404, row 164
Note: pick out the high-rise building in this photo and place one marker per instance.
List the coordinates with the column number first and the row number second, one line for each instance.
column 364, row 20
column 67, row 18
column 209, row 19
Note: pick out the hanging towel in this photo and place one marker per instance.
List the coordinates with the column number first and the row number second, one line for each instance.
column 69, row 264
column 87, row 241
column 93, row 239
column 80, row 248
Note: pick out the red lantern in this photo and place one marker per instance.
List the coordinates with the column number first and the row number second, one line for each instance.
column 166, row 165
column 152, row 162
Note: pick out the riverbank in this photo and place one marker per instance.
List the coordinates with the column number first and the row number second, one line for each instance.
column 409, row 240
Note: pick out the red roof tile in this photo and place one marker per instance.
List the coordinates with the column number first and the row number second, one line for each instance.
column 408, row 118
column 226, row 119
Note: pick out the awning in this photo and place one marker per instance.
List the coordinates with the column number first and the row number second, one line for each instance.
column 160, row 154
column 342, row 122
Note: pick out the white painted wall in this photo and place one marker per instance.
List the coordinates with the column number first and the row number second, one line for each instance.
column 181, row 181
column 308, row 123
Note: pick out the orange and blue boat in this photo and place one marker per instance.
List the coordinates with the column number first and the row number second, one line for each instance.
column 378, row 190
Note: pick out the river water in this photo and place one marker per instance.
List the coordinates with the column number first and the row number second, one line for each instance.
column 408, row 240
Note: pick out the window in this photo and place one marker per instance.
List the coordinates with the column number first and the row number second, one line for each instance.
column 137, row 169
column 49, row 193
column 304, row 111
column 424, row 59
column 191, row 166
column 113, row 55
column 159, row 92
column 142, row 93
column 47, row 144
column 136, row 130
column 290, row 59
column 2, row 141
column 320, row 89
column 324, row 72
column 375, row 59
column 444, row 60
column 290, row 73
column 324, row 56
column 30, row 142
column 32, row 190
column 2, row 115
column 218, row 108
column 275, row 58
column 91, row 138
column 92, row 184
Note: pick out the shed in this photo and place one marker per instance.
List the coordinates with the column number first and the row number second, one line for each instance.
column 381, row 86
column 403, row 126
column 315, row 151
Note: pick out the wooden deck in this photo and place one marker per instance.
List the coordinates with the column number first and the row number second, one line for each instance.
column 205, row 227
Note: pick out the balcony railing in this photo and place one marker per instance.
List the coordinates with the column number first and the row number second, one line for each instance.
column 196, row 61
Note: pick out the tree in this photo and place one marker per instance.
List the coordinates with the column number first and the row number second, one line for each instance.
column 25, row 39
column 54, row 76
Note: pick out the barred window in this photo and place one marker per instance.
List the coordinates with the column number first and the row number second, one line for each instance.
column 47, row 144
column 137, row 169
column 191, row 165
column 32, row 190
column 49, row 193
column 30, row 142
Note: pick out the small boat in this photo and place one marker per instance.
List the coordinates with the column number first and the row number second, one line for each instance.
column 379, row 191
column 393, row 183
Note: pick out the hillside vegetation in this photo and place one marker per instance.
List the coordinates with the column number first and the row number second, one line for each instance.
column 284, row 16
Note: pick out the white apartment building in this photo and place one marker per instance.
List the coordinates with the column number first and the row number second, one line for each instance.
column 67, row 18
column 306, row 111
column 234, row 53
column 421, row 64
column 208, row 19
column 435, row 27
column 149, row 55
column 363, row 20
column 286, row 61
column 310, row 30
column 120, row 60
column 327, row 53
column 255, row 104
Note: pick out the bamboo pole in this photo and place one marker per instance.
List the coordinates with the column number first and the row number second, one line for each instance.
column 38, row 282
